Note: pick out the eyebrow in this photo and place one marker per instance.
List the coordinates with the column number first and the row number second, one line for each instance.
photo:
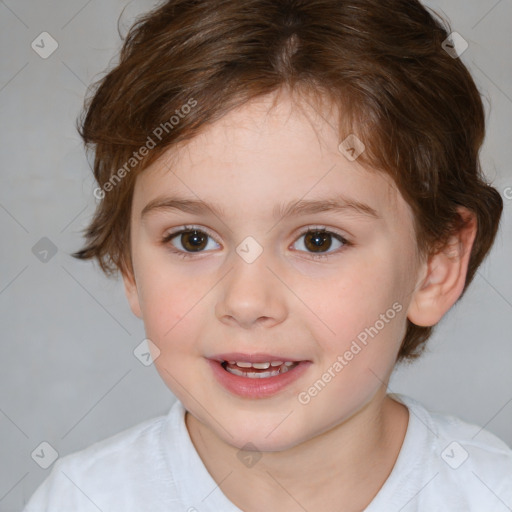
column 294, row 208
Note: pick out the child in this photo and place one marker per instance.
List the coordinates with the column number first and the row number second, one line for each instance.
column 292, row 193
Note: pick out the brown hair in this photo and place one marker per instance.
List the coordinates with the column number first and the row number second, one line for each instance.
column 188, row 62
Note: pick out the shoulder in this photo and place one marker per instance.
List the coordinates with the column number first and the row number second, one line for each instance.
column 471, row 461
column 125, row 466
column 123, row 449
column 463, row 442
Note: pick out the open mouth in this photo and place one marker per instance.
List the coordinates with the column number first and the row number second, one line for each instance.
column 258, row 370
column 265, row 375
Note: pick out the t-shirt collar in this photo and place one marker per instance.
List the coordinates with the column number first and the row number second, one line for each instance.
column 197, row 490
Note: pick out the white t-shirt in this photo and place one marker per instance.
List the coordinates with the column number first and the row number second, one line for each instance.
column 444, row 465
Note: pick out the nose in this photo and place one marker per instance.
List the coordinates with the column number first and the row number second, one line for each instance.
column 251, row 295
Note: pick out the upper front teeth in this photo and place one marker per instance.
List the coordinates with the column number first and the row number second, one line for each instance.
column 260, row 366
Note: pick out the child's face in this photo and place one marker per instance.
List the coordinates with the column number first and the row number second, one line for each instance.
column 285, row 302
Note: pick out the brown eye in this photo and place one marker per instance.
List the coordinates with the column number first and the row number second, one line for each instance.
column 317, row 241
column 188, row 241
column 194, row 240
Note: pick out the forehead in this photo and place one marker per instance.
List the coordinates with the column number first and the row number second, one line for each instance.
column 262, row 155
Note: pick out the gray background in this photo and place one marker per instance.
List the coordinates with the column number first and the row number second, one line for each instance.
column 68, row 373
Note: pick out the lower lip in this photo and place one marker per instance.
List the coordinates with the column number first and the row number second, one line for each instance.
column 256, row 388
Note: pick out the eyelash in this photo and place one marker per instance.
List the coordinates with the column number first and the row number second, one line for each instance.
column 186, row 255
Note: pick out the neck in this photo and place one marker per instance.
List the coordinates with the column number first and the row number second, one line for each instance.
column 349, row 463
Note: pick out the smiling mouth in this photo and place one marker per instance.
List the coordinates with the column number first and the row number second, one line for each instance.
column 258, row 370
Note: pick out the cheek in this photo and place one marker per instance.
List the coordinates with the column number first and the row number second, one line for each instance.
column 359, row 316
column 167, row 302
column 354, row 297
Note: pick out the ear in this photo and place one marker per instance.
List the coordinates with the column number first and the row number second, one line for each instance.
column 130, row 288
column 443, row 276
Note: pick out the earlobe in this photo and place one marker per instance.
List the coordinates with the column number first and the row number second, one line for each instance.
column 443, row 276
column 130, row 288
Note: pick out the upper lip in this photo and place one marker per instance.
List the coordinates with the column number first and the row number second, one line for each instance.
column 253, row 358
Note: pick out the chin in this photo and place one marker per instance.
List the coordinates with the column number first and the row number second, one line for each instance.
column 254, row 437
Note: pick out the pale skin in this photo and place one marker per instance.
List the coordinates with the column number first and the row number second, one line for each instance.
column 341, row 446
